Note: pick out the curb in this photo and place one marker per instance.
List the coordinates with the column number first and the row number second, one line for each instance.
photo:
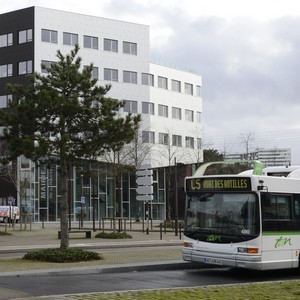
column 161, row 266
column 16, row 249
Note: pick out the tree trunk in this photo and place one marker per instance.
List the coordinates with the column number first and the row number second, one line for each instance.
column 64, row 243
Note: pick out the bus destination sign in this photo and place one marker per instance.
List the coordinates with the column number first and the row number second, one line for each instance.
column 225, row 184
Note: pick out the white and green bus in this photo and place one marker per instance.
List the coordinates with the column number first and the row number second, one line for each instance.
column 250, row 220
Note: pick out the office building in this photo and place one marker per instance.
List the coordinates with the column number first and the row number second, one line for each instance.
column 169, row 101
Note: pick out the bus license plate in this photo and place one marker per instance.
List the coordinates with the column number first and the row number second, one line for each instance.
column 212, row 261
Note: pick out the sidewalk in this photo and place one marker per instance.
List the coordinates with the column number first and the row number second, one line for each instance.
column 45, row 235
column 144, row 250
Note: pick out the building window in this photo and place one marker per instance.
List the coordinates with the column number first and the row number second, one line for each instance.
column 46, row 64
column 189, row 142
column 6, row 71
column 162, row 82
column 198, row 117
column 130, row 106
column 176, row 86
column 163, row 138
column 90, row 42
column 110, row 74
column 148, row 137
column 4, row 100
column 25, row 36
column 111, row 45
column 94, row 71
column 6, row 40
column 70, row 39
column 147, row 79
column 148, row 108
column 130, row 48
column 188, row 88
column 189, row 115
column 162, row 110
column 49, row 36
column 130, row 77
column 176, row 113
column 177, row 140
column 25, row 67
column 199, row 143
column 198, row 90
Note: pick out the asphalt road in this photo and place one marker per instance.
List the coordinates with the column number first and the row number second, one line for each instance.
column 27, row 286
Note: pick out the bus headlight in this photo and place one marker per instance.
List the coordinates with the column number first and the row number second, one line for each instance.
column 248, row 250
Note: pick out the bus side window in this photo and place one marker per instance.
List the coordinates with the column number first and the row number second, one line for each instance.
column 296, row 212
column 277, row 212
column 297, row 207
column 267, row 208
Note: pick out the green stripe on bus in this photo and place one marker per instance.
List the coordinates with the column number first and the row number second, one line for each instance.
column 282, row 233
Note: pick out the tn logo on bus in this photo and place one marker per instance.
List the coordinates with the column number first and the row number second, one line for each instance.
column 282, row 241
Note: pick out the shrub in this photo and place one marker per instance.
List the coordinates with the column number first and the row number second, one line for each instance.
column 113, row 235
column 61, row 255
column 4, row 233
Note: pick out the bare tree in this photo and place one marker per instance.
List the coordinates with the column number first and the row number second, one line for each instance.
column 128, row 158
column 246, row 139
column 12, row 173
column 170, row 152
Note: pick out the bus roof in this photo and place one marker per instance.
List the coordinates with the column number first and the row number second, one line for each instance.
column 257, row 166
column 279, row 171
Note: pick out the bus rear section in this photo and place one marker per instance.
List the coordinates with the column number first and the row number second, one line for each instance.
column 240, row 221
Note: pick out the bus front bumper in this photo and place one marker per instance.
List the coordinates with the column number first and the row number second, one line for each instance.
column 222, row 259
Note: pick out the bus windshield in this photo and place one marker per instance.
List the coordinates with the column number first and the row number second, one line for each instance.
column 235, row 217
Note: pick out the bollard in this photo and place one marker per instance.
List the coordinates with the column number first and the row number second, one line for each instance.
column 14, row 222
column 21, row 217
column 165, row 223
column 180, row 230
column 5, row 225
column 160, row 225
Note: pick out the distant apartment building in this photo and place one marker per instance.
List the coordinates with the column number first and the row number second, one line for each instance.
column 169, row 101
column 269, row 157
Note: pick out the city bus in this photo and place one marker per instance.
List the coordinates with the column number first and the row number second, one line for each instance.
column 249, row 220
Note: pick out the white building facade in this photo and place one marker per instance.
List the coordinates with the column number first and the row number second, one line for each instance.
column 169, row 100
column 269, row 156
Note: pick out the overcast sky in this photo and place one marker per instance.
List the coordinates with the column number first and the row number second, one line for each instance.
column 247, row 52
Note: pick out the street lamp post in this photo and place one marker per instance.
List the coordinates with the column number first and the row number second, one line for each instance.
column 81, row 203
column 176, row 198
column 93, row 197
